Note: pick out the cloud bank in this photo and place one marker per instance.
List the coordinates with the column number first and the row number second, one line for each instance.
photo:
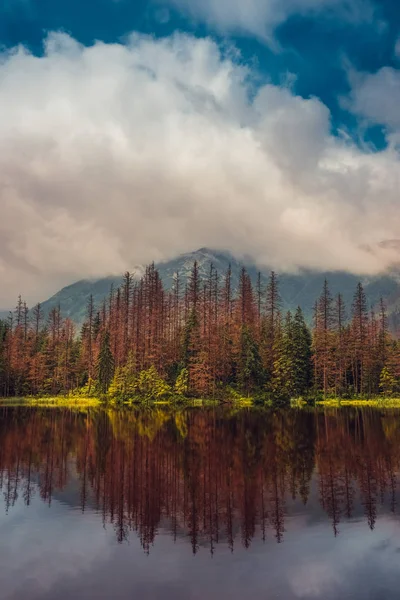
column 114, row 155
column 261, row 17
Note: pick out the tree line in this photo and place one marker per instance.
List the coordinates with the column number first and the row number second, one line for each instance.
column 201, row 338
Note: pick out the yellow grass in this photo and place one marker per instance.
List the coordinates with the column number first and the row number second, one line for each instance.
column 243, row 402
column 374, row 402
column 64, row 401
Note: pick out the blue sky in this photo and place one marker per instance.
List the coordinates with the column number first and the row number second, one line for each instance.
column 134, row 130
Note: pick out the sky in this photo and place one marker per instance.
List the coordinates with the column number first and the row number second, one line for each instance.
column 134, row 130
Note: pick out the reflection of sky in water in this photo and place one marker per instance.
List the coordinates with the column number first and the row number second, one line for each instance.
column 58, row 551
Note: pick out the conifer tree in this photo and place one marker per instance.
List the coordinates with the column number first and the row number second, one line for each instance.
column 250, row 367
column 182, row 383
column 88, row 340
column 301, row 355
column 387, row 382
column 359, row 327
column 3, row 358
column 323, row 341
column 341, row 350
column 273, row 300
column 383, row 331
column 105, row 364
column 270, row 324
column 282, row 378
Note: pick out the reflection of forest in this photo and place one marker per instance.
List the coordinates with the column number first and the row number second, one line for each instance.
column 207, row 474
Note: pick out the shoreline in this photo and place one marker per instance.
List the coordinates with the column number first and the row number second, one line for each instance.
column 82, row 402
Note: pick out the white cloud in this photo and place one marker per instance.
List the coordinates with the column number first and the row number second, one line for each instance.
column 116, row 155
column 376, row 97
column 260, row 17
column 69, row 547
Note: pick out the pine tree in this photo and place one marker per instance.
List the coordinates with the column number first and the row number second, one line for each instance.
column 88, row 340
column 193, row 290
column 274, row 301
column 359, row 328
column 127, row 296
column 323, row 340
column 341, row 349
column 270, row 324
column 383, row 331
column 301, row 355
column 190, row 340
column 282, row 382
column 225, row 331
column 3, row 357
column 105, row 364
column 182, row 383
column 387, row 383
column 259, row 293
column 250, row 367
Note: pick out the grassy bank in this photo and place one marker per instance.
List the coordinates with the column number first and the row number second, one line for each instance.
column 137, row 402
column 375, row 402
column 239, row 402
column 62, row 401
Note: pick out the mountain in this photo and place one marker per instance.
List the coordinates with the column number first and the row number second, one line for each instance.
column 297, row 289
column 73, row 299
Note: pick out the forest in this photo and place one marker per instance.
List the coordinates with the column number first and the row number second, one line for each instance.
column 201, row 339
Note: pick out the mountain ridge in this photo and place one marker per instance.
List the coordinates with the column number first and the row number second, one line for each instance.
column 297, row 289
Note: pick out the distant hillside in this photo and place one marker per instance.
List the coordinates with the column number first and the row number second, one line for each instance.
column 300, row 289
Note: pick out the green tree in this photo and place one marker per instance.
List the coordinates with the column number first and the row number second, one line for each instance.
column 151, row 386
column 387, row 382
column 105, row 364
column 300, row 355
column 360, row 345
column 3, row 358
column 124, row 384
column 190, row 338
column 182, row 383
column 270, row 324
column 116, row 390
column 250, row 365
column 293, row 362
column 282, row 382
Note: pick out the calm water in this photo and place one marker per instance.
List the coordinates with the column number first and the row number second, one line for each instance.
column 199, row 504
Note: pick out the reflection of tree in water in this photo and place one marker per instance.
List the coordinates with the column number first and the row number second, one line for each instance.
column 204, row 474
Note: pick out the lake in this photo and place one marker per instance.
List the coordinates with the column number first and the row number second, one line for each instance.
column 203, row 503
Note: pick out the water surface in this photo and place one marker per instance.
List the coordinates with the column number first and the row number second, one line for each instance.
column 202, row 503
